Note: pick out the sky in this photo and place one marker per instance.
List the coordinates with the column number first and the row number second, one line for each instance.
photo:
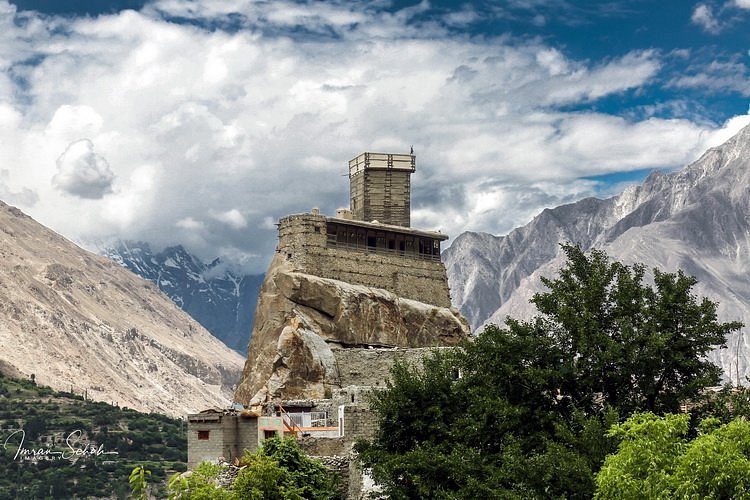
column 202, row 123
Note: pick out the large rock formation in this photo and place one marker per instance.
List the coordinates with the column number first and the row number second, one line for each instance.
column 302, row 321
column 78, row 321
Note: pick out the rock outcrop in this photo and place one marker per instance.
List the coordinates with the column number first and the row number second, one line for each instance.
column 302, row 320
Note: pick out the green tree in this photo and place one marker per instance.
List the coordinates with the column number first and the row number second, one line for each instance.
column 655, row 459
column 529, row 413
column 139, row 483
column 279, row 470
column 635, row 346
column 200, row 484
column 264, row 479
column 298, row 476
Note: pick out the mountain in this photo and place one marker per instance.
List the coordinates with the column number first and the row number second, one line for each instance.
column 219, row 299
column 696, row 219
column 81, row 323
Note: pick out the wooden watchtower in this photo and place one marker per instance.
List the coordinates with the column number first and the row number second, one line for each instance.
column 380, row 187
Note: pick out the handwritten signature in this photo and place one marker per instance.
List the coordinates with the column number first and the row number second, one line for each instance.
column 76, row 448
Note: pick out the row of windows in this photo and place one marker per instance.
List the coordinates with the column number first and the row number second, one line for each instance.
column 382, row 241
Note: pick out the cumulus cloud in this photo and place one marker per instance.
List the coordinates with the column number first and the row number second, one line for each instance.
column 704, row 17
column 212, row 134
column 742, row 4
column 13, row 195
column 232, row 218
column 82, row 172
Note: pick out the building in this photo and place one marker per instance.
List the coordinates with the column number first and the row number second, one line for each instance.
column 344, row 298
column 371, row 243
column 227, row 433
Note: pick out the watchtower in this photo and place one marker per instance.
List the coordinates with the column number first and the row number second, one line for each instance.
column 380, row 187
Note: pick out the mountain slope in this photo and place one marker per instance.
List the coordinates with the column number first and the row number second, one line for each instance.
column 697, row 219
column 79, row 321
column 219, row 299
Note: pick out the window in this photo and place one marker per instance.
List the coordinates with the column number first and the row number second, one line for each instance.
column 203, row 435
column 269, row 434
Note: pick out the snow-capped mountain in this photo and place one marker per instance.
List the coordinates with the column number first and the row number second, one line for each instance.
column 219, row 299
column 696, row 219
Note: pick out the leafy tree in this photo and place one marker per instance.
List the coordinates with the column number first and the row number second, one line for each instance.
column 298, row 476
column 638, row 347
column 528, row 416
column 264, row 479
column 200, row 484
column 139, row 483
column 655, row 459
column 279, row 470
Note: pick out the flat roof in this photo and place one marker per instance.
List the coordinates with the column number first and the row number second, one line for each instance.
column 388, row 227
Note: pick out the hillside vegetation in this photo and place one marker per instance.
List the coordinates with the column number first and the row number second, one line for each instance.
column 58, row 445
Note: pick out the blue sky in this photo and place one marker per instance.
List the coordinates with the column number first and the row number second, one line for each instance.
column 203, row 122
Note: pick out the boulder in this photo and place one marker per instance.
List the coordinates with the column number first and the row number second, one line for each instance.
column 301, row 320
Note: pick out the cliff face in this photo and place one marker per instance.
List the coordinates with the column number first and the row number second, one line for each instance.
column 79, row 321
column 302, row 320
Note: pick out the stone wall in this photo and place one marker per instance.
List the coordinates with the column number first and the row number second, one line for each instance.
column 359, row 423
column 229, row 435
column 371, row 367
column 303, row 245
column 201, row 450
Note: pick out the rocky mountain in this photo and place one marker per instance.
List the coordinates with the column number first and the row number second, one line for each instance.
column 221, row 300
column 79, row 322
column 696, row 219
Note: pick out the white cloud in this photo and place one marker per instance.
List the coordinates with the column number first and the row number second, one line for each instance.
column 232, row 218
column 704, row 17
column 716, row 75
column 742, row 4
column 82, row 172
column 210, row 136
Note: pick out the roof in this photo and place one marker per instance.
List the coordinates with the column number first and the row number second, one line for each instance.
column 388, row 227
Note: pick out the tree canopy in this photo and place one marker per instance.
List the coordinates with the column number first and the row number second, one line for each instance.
column 528, row 415
column 278, row 470
column 656, row 459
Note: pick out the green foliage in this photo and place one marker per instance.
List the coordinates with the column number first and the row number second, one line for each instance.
column 200, row 484
column 528, row 417
column 264, row 479
column 295, row 474
column 639, row 347
column 48, row 417
column 655, row 459
column 138, row 483
column 279, row 470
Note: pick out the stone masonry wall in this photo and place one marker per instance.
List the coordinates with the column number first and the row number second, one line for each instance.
column 359, row 423
column 228, row 438
column 371, row 367
column 201, row 450
column 302, row 243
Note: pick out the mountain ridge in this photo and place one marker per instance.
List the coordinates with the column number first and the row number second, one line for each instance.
column 220, row 299
column 695, row 219
column 78, row 321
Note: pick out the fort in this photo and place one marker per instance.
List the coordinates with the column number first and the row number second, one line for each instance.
column 345, row 296
column 370, row 243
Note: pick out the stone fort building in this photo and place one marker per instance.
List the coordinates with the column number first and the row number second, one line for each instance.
column 344, row 297
column 371, row 243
